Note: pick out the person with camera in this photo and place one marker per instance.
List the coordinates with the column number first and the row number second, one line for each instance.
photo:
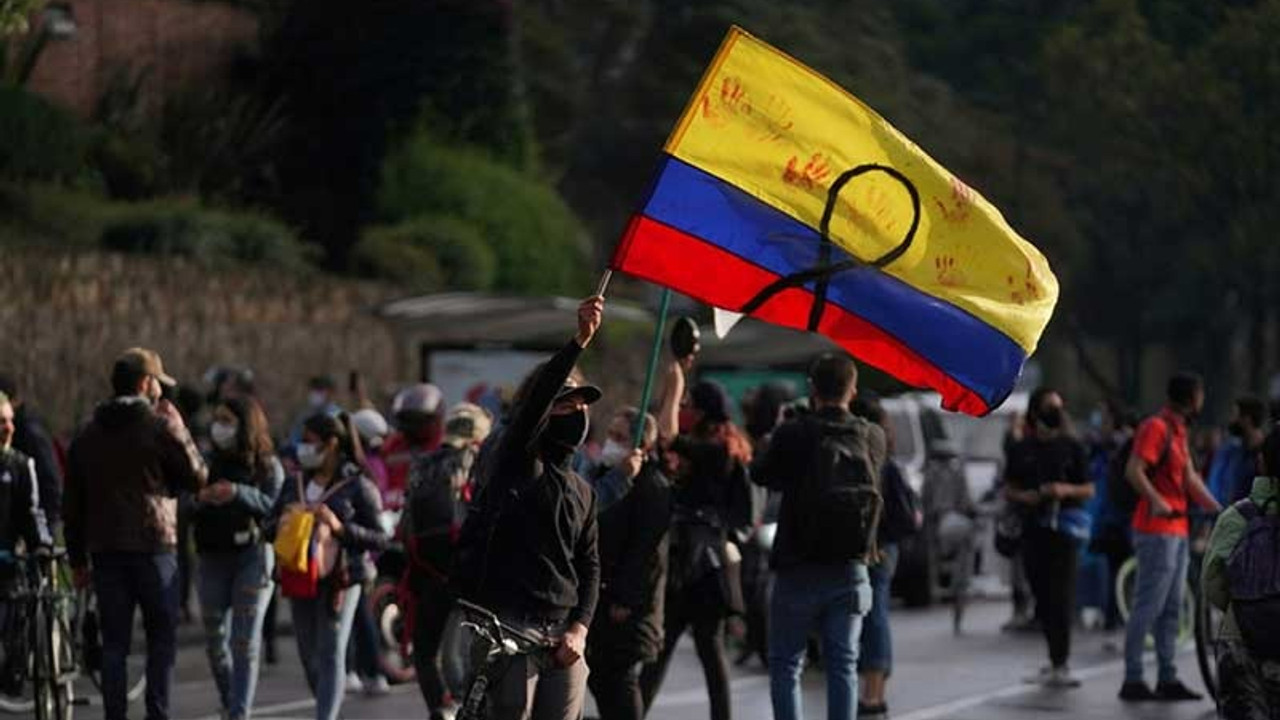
column 826, row 463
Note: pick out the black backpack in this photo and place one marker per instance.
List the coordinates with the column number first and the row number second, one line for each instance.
column 1120, row 492
column 434, row 513
column 903, row 510
column 1253, row 575
column 845, row 505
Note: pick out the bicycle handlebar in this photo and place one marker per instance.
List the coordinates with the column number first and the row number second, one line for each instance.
column 536, row 641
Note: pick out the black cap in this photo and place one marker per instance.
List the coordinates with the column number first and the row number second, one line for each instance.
column 589, row 394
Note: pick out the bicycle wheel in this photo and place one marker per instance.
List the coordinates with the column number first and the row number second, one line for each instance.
column 52, row 680
column 1125, row 580
column 395, row 649
column 87, row 637
column 1208, row 623
column 18, row 696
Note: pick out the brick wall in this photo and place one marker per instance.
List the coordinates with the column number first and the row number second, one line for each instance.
column 178, row 42
column 65, row 317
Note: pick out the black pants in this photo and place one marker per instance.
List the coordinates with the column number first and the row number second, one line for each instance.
column 430, row 620
column 698, row 606
column 1050, row 561
column 616, row 687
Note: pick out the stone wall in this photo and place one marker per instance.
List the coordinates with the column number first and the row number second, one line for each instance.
column 65, row 317
column 177, row 43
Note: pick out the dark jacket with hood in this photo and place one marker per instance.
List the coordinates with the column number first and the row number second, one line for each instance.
column 235, row 524
column 357, row 505
column 124, row 472
column 32, row 438
column 633, row 569
column 20, row 513
column 529, row 545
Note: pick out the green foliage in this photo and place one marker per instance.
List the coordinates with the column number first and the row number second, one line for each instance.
column 38, row 141
column 216, row 140
column 53, row 216
column 386, row 253
column 537, row 240
column 130, row 167
column 14, row 14
column 461, row 257
column 184, row 228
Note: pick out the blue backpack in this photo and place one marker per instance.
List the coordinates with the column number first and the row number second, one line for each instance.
column 1253, row 574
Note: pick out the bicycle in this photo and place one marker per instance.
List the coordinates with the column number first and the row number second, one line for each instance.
column 500, row 643
column 78, row 625
column 41, row 654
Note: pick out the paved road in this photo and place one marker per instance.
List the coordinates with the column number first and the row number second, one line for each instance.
column 938, row 677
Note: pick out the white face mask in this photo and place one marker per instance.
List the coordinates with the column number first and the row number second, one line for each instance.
column 223, row 435
column 317, row 399
column 309, row 456
column 613, row 453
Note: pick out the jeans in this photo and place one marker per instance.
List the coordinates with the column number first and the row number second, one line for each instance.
column 875, row 648
column 1052, row 567
column 362, row 656
column 323, row 626
column 1158, row 589
column 235, row 588
column 833, row 600
column 123, row 582
column 533, row 687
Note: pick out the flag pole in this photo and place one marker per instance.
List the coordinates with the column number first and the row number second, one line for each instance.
column 604, row 282
column 637, row 434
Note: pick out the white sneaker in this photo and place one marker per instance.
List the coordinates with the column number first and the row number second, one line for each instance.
column 354, row 683
column 1040, row 678
column 1061, row 677
column 377, row 687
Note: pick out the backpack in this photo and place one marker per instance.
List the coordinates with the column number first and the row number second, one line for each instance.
column 845, row 504
column 1253, row 576
column 1120, row 492
column 434, row 512
column 903, row 510
column 303, row 554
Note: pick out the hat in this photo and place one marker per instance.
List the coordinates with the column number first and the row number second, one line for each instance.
column 710, row 398
column 371, row 426
column 589, row 394
column 142, row 362
column 421, row 398
column 466, row 423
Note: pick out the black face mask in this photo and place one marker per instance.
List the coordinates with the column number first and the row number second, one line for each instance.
column 1051, row 417
column 1236, row 429
column 567, row 432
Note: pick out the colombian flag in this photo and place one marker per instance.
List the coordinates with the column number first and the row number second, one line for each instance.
column 783, row 197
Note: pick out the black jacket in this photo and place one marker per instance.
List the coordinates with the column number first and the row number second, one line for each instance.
column 633, row 568
column 357, row 505
column 788, row 467
column 529, row 544
column 20, row 513
column 235, row 524
column 32, row 438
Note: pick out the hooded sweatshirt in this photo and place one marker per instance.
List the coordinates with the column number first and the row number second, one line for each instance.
column 124, row 472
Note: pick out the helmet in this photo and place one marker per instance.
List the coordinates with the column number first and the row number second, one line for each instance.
column 371, row 426
column 423, row 398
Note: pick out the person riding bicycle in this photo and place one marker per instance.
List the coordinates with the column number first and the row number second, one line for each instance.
column 1248, row 665
column 21, row 518
column 528, row 549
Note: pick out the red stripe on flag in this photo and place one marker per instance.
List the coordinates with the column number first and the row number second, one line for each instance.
column 666, row 256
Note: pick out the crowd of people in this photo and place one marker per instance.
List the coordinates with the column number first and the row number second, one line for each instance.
column 609, row 545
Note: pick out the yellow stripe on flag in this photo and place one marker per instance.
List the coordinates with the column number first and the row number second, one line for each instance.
column 767, row 124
